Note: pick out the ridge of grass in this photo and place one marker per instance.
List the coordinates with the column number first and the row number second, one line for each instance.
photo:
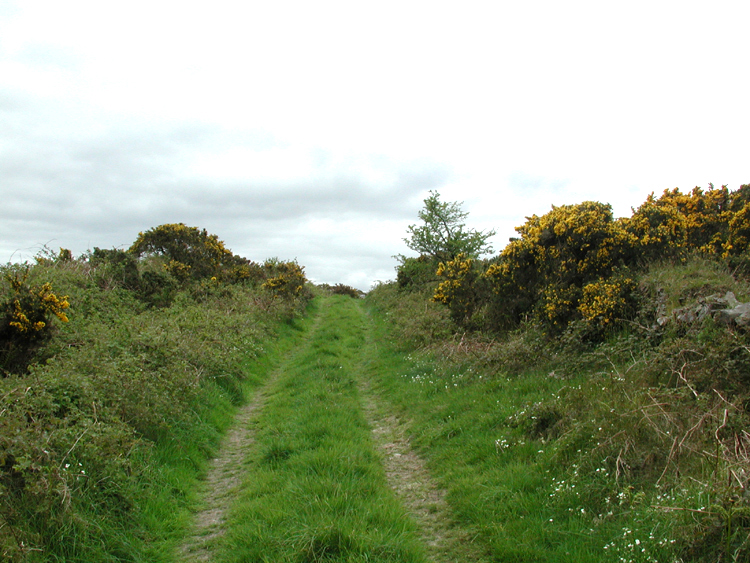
column 315, row 489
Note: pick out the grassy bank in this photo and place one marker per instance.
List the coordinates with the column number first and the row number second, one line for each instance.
column 103, row 436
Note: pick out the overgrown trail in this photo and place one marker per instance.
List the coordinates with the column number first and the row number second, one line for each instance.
column 222, row 479
column 225, row 475
column 317, row 468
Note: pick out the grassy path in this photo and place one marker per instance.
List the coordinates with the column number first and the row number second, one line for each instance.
column 318, row 469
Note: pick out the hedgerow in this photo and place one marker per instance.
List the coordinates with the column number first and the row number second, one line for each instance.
column 105, row 408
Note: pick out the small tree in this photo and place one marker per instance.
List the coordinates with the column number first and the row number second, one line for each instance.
column 444, row 235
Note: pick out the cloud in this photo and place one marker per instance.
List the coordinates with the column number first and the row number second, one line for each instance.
column 102, row 185
column 315, row 131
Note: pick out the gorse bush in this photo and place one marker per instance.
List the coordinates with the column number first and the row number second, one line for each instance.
column 645, row 428
column 576, row 263
column 284, row 279
column 557, row 255
column 192, row 253
column 28, row 311
column 460, row 288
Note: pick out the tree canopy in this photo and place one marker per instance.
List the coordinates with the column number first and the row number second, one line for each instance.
column 443, row 236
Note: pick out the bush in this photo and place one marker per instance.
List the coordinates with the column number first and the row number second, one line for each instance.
column 342, row 289
column 188, row 252
column 416, row 273
column 414, row 321
column 284, row 279
column 558, row 254
column 27, row 319
column 115, row 268
column 462, row 288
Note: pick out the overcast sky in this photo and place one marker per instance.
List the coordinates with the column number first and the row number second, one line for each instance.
column 314, row 130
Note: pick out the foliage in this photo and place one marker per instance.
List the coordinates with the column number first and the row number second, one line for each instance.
column 115, row 268
column 189, row 252
column 712, row 222
column 637, row 441
column 573, row 264
column 605, row 301
column 120, row 407
column 459, row 288
column 284, row 279
column 557, row 255
column 414, row 320
column 342, row 289
column 443, row 235
column 27, row 318
column 416, row 273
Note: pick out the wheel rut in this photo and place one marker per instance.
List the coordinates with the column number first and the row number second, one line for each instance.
column 411, row 481
column 222, row 481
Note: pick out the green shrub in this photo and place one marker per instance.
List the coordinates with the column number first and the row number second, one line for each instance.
column 115, row 268
column 188, row 252
column 342, row 289
column 417, row 273
column 284, row 279
column 413, row 319
column 27, row 312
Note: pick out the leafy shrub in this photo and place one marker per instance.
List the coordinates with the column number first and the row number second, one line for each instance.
column 414, row 321
column 605, row 302
column 342, row 289
column 443, row 236
column 80, row 432
column 189, row 252
column 712, row 222
column 27, row 319
column 416, row 273
column 461, row 288
column 284, row 279
column 115, row 268
column 557, row 255
column 158, row 288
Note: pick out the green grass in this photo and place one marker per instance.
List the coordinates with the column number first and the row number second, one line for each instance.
column 315, row 489
column 103, row 442
column 519, row 492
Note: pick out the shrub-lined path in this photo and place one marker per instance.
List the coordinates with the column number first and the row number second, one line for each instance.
column 317, row 466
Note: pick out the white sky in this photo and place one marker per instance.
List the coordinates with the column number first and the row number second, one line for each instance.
column 314, row 130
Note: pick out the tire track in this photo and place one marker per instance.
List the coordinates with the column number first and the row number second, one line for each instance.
column 225, row 473
column 222, row 481
column 412, row 483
